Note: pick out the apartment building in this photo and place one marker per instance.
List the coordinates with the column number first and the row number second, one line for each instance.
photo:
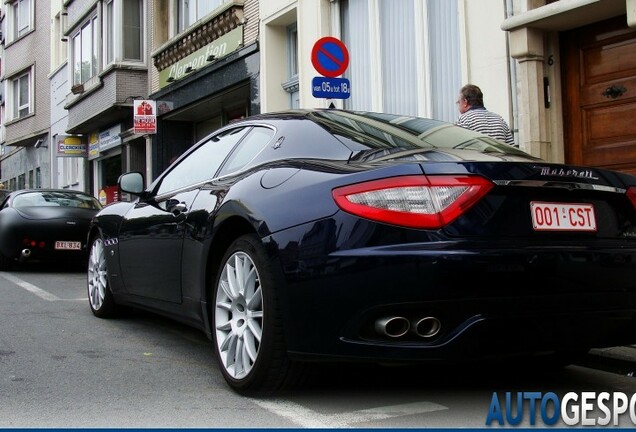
column 197, row 60
column 107, row 70
column 69, row 165
column 24, row 158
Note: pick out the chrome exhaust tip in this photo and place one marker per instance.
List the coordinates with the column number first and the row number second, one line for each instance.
column 393, row 327
column 427, row 327
column 25, row 254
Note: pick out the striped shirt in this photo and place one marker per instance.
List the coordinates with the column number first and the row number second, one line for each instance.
column 489, row 123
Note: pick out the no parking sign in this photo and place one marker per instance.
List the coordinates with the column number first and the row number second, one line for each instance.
column 330, row 57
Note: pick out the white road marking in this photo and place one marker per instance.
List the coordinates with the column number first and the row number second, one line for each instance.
column 308, row 418
column 34, row 289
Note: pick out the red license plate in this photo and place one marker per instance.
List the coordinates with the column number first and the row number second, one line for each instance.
column 68, row 245
column 548, row 216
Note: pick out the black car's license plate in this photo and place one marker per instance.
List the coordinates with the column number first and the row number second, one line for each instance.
column 548, row 216
column 68, row 245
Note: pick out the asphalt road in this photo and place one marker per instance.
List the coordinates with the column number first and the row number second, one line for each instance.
column 62, row 367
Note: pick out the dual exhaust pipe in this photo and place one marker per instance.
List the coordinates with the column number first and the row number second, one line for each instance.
column 397, row 326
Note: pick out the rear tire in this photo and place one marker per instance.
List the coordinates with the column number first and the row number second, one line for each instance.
column 248, row 329
column 100, row 299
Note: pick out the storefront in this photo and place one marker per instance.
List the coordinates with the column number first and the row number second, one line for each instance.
column 201, row 92
column 111, row 153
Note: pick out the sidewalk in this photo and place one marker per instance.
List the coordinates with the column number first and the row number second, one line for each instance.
column 620, row 360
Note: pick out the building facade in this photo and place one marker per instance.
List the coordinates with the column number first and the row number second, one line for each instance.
column 574, row 79
column 24, row 159
column 561, row 72
column 408, row 57
column 205, row 67
column 107, row 70
column 69, row 167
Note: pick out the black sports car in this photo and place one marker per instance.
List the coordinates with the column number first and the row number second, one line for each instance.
column 336, row 235
column 45, row 225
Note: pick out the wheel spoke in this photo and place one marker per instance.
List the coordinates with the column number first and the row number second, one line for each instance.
column 230, row 283
column 225, row 327
column 240, row 273
column 228, row 343
column 224, row 305
column 239, row 363
column 251, row 345
column 255, row 301
column 255, row 328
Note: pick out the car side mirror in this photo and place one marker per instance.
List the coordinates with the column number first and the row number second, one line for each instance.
column 131, row 182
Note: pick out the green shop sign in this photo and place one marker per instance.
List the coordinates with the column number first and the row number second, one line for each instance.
column 218, row 48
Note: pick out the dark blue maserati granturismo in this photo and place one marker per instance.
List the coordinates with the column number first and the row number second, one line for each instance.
column 335, row 235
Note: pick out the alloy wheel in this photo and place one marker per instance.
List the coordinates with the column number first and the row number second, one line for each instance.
column 239, row 315
column 97, row 279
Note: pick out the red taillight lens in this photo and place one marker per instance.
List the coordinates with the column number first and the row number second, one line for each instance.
column 413, row 201
column 631, row 194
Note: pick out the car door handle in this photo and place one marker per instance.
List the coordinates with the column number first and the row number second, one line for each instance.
column 179, row 208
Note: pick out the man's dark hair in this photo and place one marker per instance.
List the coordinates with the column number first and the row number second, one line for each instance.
column 473, row 95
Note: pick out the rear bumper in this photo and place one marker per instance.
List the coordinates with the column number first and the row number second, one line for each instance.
column 490, row 304
column 28, row 254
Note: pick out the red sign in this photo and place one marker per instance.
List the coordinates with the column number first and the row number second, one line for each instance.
column 330, row 57
column 145, row 118
column 108, row 194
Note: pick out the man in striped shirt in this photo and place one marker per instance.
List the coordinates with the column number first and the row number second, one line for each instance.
column 473, row 115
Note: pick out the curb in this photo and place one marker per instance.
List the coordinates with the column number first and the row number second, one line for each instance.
column 619, row 360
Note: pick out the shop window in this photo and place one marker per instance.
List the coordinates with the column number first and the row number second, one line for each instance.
column 111, row 170
column 38, row 178
column 31, row 179
column 71, row 171
column 21, row 181
column 137, row 155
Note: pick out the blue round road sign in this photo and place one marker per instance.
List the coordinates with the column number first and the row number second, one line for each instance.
column 330, row 57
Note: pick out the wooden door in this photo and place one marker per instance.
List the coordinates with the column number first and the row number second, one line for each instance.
column 599, row 95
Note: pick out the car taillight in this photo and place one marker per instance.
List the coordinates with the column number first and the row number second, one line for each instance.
column 631, row 194
column 413, row 201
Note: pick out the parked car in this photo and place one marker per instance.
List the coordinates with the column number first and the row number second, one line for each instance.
column 4, row 193
column 45, row 225
column 335, row 235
